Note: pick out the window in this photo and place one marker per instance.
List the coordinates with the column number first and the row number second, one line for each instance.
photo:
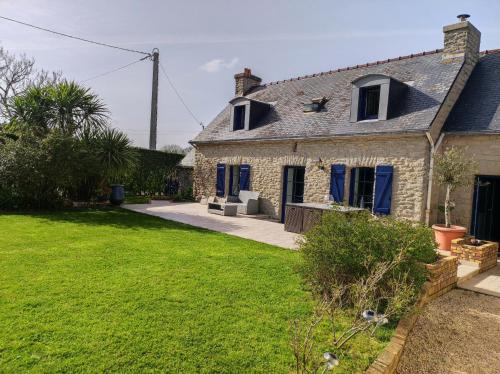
column 361, row 187
column 239, row 117
column 369, row 99
column 295, row 184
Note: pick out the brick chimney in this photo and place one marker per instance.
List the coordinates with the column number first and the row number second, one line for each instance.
column 461, row 39
column 245, row 81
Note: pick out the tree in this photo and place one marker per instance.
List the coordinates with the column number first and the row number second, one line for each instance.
column 175, row 148
column 17, row 74
column 115, row 153
column 453, row 169
column 63, row 147
column 68, row 107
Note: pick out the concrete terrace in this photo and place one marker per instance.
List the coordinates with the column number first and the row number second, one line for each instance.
column 195, row 214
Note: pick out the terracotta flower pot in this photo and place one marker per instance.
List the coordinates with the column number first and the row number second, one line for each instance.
column 444, row 235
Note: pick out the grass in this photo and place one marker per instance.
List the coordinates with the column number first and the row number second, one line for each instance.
column 137, row 199
column 116, row 291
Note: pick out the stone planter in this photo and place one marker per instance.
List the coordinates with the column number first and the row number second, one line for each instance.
column 484, row 255
column 442, row 276
column 444, row 235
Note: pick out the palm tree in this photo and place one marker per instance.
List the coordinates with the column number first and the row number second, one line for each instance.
column 115, row 153
column 68, row 107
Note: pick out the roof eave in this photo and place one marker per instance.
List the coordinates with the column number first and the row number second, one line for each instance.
column 319, row 137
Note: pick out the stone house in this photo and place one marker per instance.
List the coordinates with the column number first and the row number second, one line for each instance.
column 364, row 135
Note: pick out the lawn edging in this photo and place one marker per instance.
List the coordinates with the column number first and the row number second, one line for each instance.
column 442, row 279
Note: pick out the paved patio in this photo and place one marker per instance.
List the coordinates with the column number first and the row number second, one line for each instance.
column 195, row 214
column 487, row 283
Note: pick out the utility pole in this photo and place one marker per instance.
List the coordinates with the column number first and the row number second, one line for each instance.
column 154, row 101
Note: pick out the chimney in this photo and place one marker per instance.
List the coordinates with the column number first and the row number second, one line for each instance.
column 245, row 82
column 461, row 40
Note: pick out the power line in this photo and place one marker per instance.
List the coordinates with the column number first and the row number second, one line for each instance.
column 74, row 37
column 115, row 70
column 179, row 96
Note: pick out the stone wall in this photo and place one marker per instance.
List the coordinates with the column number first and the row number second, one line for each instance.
column 485, row 255
column 442, row 277
column 408, row 154
column 485, row 149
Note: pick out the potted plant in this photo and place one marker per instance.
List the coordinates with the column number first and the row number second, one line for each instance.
column 117, row 157
column 453, row 169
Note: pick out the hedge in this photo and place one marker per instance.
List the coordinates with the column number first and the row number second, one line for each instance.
column 151, row 172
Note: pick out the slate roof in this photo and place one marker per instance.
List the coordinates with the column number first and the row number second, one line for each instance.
column 478, row 107
column 428, row 78
column 188, row 160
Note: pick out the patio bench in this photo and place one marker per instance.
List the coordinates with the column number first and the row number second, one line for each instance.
column 221, row 207
column 247, row 202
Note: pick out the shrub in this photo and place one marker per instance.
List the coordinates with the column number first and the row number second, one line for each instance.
column 151, row 171
column 345, row 248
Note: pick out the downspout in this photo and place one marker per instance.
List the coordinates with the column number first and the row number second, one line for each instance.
column 433, row 149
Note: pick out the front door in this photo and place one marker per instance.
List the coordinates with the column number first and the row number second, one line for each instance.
column 485, row 222
column 293, row 187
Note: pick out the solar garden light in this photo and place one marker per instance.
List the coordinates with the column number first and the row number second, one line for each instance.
column 373, row 317
column 331, row 361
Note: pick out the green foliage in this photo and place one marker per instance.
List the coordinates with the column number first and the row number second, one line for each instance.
column 453, row 169
column 115, row 154
column 345, row 248
column 151, row 172
column 67, row 107
column 58, row 146
column 35, row 171
column 137, row 200
column 184, row 195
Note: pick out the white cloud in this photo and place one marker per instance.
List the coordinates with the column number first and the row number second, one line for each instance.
column 217, row 64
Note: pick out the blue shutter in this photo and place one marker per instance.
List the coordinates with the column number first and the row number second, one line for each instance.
column 383, row 189
column 244, row 177
column 221, row 179
column 351, row 186
column 337, row 179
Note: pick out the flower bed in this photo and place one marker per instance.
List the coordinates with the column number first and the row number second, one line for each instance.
column 483, row 253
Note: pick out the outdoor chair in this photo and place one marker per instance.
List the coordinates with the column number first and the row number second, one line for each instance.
column 247, row 202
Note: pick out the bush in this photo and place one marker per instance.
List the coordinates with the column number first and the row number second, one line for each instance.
column 150, row 174
column 344, row 248
column 137, row 200
column 184, row 195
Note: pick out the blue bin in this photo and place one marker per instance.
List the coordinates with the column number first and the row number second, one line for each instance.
column 117, row 194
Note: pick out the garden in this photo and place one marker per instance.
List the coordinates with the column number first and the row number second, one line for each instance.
column 105, row 289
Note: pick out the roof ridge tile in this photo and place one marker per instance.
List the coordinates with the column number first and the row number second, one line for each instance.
column 368, row 64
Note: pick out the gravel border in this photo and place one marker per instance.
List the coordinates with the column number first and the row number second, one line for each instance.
column 456, row 333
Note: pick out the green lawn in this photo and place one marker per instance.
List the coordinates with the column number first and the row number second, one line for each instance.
column 111, row 290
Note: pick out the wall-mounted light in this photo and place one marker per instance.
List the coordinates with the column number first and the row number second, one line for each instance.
column 319, row 163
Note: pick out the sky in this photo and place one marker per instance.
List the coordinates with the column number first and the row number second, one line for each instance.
column 204, row 43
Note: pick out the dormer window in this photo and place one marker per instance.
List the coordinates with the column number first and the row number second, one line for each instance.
column 376, row 97
column 316, row 105
column 239, row 117
column 369, row 101
column 246, row 113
